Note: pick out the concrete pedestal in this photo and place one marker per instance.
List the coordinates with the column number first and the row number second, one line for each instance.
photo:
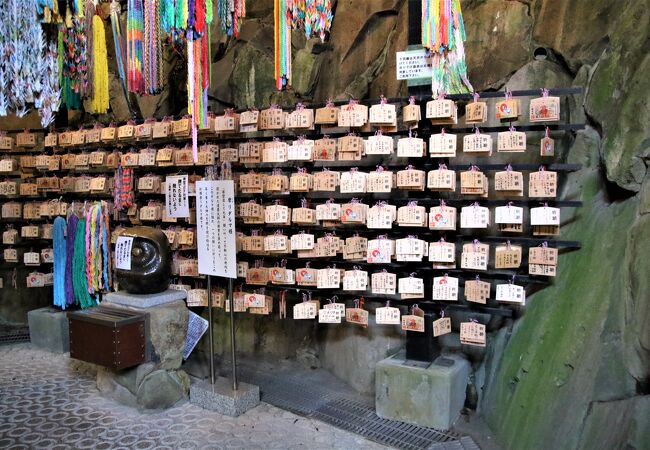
column 221, row 398
column 48, row 329
column 144, row 301
column 429, row 396
column 157, row 384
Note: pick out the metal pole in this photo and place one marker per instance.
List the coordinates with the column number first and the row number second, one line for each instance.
column 211, row 329
column 232, row 335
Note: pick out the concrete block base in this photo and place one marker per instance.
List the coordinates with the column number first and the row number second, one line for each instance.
column 48, row 329
column 430, row 396
column 221, row 398
column 144, row 301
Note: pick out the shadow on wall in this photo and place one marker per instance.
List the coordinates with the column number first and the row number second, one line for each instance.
column 16, row 303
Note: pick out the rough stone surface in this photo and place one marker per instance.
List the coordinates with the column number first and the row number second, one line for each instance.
column 619, row 421
column 616, row 98
column 49, row 330
column 644, row 207
column 430, row 397
column 132, row 378
column 266, row 337
column 252, row 77
column 636, row 330
column 167, row 331
column 221, row 398
column 563, row 353
column 109, row 387
column 162, row 389
column 496, row 27
column 355, row 51
column 579, row 41
column 538, row 73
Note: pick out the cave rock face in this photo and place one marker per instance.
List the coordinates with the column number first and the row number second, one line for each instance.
column 573, row 370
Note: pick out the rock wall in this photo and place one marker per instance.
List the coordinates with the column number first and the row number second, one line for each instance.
column 574, row 370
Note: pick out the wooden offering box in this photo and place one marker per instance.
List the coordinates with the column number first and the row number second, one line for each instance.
column 109, row 337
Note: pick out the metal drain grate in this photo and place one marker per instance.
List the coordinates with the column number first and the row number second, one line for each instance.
column 13, row 335
column 301, row 394
column 361, row 419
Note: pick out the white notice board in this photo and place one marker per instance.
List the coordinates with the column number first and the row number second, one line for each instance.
column 215, row 218
column 413, row 64
column 176, row 196
column 123, row 248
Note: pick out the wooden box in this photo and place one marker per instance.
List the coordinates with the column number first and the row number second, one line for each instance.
column 109, row 337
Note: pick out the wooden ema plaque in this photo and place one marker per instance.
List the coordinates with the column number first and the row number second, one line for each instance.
column 472, row 333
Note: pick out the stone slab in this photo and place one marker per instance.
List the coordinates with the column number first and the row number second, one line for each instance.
column 145, row 301
column 49, row 330
column 221, row 398
column 431, row 397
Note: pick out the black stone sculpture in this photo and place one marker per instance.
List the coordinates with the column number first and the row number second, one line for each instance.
column 151, row 262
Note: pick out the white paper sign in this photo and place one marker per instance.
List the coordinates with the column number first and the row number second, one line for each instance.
column 215, row 217
column 329, row 315
column 177, row 203
column 413, row 64
column 123, row 252
column 196, row 328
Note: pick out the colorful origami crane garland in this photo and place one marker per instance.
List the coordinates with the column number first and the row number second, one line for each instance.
column 315, row 16
column 27, row 72
column 200, row 17
column 144, row 46
column 187, row 24
column 231, row 13
column 282, row 37
column 443, row 34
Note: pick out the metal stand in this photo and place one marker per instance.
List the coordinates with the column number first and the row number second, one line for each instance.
column 220, row 394
column 211, row 330
column 232, row 335
column 233, row 352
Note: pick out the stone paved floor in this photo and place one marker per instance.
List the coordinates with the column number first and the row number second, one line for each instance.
column 50, row 402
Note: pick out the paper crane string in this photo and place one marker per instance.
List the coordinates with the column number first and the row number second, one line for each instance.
column 28, row 68
column 231, row 13
column 443, row 34
column 315, row 16
column 134, row 46
column 189, row 20
column 100, row 98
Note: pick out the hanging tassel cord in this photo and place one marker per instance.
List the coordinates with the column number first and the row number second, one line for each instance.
column 118, row 39
column 100, row 97
column 59, row 247
column 79, row 264
column 70, row 251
